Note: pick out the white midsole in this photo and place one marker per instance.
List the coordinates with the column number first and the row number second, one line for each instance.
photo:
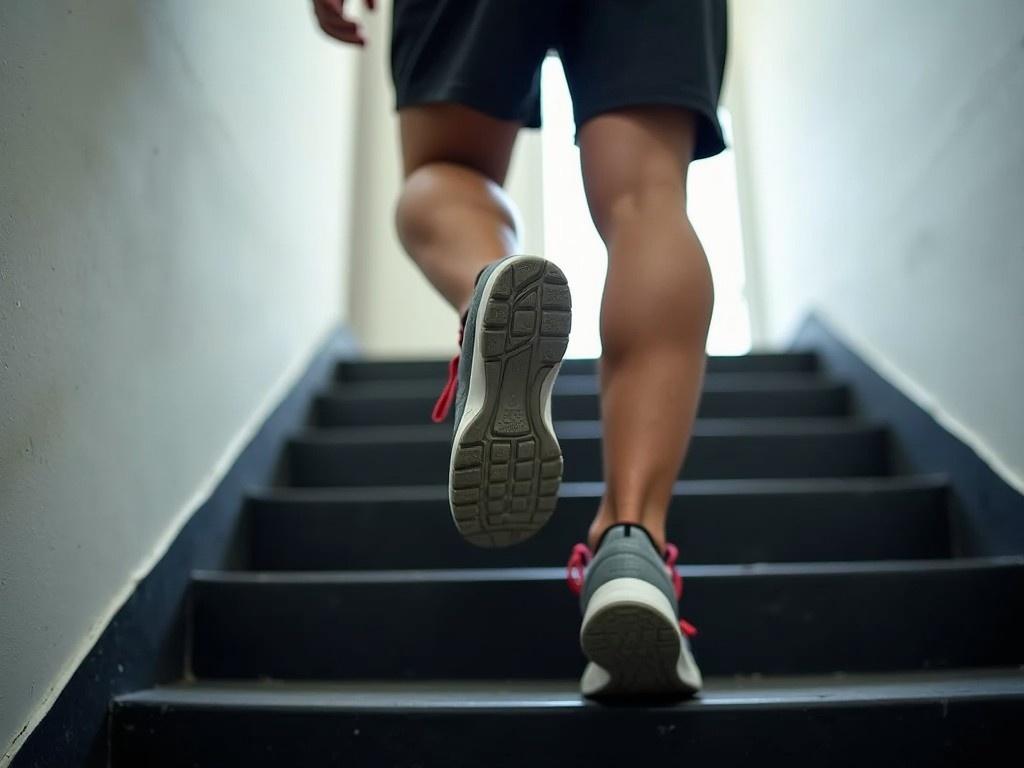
column 475, row 397
column 545, row 392
column 629, row 591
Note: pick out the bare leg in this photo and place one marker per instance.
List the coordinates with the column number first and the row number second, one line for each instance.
column 656, row 310
column 453, row 217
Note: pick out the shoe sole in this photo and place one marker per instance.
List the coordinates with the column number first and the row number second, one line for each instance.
column 506, row 464
column 632, row 638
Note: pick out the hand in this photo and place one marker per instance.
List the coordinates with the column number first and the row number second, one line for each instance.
column 331, row 15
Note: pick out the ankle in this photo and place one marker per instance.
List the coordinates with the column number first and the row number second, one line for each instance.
column 609, row 515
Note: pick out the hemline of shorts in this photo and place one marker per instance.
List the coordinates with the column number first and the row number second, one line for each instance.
column 709, row 141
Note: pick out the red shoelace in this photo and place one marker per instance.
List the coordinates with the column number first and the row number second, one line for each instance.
column 447, row 397
column 581, row 557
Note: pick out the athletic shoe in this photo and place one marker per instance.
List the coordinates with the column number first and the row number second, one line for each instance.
column 632, row 634
column 506, row 464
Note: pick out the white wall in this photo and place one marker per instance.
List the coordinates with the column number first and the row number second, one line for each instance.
column 174, row 189
column 393, row 309
column 882, row 155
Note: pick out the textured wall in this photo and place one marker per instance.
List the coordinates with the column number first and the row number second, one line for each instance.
column 882, row 158
column 174, row 193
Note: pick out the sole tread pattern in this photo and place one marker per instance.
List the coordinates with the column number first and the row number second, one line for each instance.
column 637, row 648
column 507, row 466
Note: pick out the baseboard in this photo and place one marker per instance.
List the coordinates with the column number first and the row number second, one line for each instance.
column 987, row 513
column 143, row 645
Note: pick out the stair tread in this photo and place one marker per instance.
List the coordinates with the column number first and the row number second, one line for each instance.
column 745, row 692
column 740, row 570
column 579, row 385
column 590, row 430
column 723, row 487
column 755, row 362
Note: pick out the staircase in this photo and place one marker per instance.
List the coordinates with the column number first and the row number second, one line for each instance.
column 837, row 624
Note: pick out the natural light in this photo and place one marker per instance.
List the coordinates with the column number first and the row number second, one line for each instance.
column 571, row 240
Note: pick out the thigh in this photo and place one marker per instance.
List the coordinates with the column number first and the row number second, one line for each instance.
column 454, row 133
column 632, row 151
column 625, row 53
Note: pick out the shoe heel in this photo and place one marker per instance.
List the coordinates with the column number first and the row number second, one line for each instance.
column 631, row 636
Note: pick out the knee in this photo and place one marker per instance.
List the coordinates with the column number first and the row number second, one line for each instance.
column 416, row 208
column 655, row 197
column 437, row 197
column 621, row 195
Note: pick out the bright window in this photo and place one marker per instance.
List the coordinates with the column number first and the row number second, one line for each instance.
column 571, row 240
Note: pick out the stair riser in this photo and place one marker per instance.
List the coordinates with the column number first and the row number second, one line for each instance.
column 777, row 527
column 431, row 369
column 933, row 733
column 339, row 410
column 845, row 454
column 813, row 622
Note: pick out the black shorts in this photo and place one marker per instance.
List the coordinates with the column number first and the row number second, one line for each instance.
column 487, row 54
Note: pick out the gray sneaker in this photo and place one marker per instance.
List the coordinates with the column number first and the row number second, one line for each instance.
column 506, row 464
column 631, row 633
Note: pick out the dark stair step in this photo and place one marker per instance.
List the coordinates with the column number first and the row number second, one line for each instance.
column 936, row 719
column 581, row 384
column 722, row 449
column 755, row 362
column 341, row 407
column 523, row 623
column 713, row 521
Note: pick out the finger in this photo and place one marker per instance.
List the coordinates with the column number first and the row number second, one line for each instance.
column 333, row 9
column 340, row 29
column 337, row 23
column 346, row 37
column 331, row 6
column 355, row 39
column 341, row 26
column 329, row 10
